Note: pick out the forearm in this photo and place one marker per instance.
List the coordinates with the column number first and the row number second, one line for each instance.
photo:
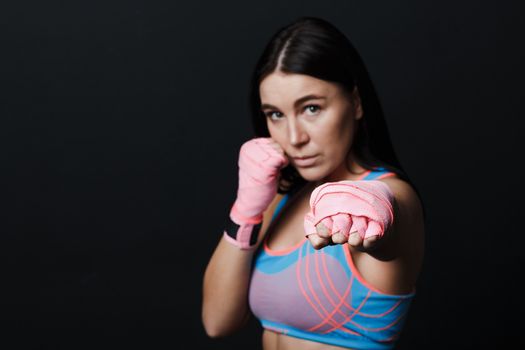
column 225, row 289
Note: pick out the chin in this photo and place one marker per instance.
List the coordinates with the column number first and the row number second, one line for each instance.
column 311, row 174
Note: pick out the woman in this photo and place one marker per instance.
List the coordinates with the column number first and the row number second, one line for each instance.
column 324, row 242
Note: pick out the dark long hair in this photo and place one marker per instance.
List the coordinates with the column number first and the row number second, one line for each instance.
column 313, row 46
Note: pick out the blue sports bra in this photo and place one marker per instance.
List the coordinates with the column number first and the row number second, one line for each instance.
column 319, row 295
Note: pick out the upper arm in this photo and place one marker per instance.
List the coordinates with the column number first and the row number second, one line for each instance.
column 407, row 232
column 394, row 263
column 408, row 205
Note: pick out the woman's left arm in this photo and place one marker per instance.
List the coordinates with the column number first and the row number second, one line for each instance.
column 379, row 217
column 405, row 239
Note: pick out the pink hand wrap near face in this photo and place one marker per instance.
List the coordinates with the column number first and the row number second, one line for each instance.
column 365, row 206
column 259, row 166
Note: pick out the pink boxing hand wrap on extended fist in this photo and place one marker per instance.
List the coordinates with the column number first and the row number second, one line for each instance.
column 365, row 206
column 259, row 165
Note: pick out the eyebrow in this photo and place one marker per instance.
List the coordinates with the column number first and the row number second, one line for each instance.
column 297, row 102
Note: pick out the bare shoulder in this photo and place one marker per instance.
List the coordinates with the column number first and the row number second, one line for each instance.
column 394, row 265
column 408, row 229
column 408, row 204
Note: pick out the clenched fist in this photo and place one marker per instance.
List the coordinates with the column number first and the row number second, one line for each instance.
column 357, row 212
column 260, row 160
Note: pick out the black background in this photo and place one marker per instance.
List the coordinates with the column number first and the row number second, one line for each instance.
column 120, row 127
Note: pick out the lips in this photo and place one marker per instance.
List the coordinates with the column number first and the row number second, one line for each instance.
column 304, row 161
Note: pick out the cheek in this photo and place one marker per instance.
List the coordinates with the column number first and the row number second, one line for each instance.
column 331, row 136
column 272, row 131
column 275, row 132
column 335, row 139
column 344, row 131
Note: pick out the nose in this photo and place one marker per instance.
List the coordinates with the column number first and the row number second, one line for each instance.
column 297, row 134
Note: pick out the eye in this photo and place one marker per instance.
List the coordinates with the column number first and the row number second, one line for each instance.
column 270, row 114
column 315, row 107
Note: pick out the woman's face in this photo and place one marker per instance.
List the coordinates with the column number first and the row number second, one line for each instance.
column 308, row 117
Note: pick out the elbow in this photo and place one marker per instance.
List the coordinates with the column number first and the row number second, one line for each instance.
column 217, row 328
column 214, row 330
column 212, row 326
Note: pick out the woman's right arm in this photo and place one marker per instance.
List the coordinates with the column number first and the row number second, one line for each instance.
column 226, row 282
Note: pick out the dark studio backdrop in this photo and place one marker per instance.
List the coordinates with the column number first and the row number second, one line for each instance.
column 120, row 126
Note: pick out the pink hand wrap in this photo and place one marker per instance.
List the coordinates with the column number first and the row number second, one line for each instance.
column 365, row 206
column 259, row 165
